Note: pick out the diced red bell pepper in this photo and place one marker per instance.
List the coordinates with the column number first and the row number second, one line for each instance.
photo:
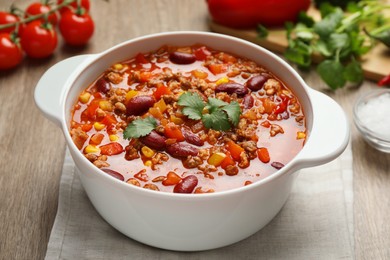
column 201, row 53
column 235, row 150
column 171, row 130
column 111, row 149
column 89, row 114
column 108, row 120
column 227, row 161
column 160, row 91
column 217, row 68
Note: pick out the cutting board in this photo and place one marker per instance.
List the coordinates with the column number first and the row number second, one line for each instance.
column 376, row 63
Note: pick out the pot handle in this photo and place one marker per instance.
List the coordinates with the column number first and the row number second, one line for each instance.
column 49, row 89
column 330, row 133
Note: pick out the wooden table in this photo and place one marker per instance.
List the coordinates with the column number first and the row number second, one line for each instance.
column 32, row 148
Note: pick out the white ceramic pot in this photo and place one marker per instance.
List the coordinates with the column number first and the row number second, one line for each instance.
column 189, row 222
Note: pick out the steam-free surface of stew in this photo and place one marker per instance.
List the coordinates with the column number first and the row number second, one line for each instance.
column 188, row 120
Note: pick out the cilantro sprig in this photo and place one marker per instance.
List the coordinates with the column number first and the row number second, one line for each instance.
column 140, row 127
column 215, row 114
column 339, row 38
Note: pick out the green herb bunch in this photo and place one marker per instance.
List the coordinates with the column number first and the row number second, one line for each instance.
column 341, row 38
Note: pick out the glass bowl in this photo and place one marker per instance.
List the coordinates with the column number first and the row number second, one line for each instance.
column 371, row 115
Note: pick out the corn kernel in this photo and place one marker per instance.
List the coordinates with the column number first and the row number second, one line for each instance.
column 98, row 126
column 114, row 138
column 148, row 163
column 131, row 94
column 118, row 66
column 147, row 151
column 91, row 149
column 106, row 105
column 216, row 159
column 301, row 135
column 84, row 97
column 222, row 80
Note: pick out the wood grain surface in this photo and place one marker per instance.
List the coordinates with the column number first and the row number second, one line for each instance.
column 32, row 148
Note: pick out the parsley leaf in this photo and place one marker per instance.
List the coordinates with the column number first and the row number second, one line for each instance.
column 331, row 71
column 193, row 105
column 140, row 127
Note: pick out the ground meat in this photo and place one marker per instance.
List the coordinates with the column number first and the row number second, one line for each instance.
column 213, row 135
column 271, row 86
column 100, row 164
column 91, row 157
column 151, row 186
column 79, row 137
column 133, row 181
column 192, row 162
column 244, row 160
column 159, row 158
column 114, row 77
column 276, row 129
column 120, row 107
column 231, row 170
column 131, row 153
column 249, row 146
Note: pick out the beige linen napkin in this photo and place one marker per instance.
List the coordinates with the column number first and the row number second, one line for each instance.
column 315, row 223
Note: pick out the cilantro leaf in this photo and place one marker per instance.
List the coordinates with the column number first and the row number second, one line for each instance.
column 353, row 72
column 218, row 120
column 331, row 71
column 215, row 103
column 192, row 104
column 140, row 127
column 233, row 111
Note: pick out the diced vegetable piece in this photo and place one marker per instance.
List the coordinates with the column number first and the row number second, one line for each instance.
column 217, row 68
column 201, row 53
column 161, row 105
column 216, row 159
column 96, row 138
column 99, row 126
column 156, row 113
column 148, row 163
column 86, row 127
column 130, row 94
column 227, row 161
column 263, row 155
column 171, row 130
column 199, row 74
column 301, row 135
column 176, row 120
column 145, row 76
column 147, row 151
column 91, row 149
column 235, row 150
column 108, row 120
column 160, row 91
column 84, row 97
column 222, row 80
column 111, row 149
column 114, row 138
column 106, row 105
column 118, row 66
column 171, row 179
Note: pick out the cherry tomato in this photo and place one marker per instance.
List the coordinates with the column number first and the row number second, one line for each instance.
column 76, row 29
column 10, row 52
column 38, row 8
column 6, row 18
column 38, row 41
column 84, row 4
column 249, row 13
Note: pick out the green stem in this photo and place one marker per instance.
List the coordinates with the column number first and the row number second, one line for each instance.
column 38, row 16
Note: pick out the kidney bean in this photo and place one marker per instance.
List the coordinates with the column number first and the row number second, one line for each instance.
column 103, row 85
column 114, row 174
column 248, row 101
column 139, row 105
column 154, row 140
column 182, row 149
column 256, row 83
column 182, row 57
column 231, row 88
column 187, row 185
column 277, row 165
column 190, row 137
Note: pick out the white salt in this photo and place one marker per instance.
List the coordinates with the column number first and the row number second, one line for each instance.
column 375, row 115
